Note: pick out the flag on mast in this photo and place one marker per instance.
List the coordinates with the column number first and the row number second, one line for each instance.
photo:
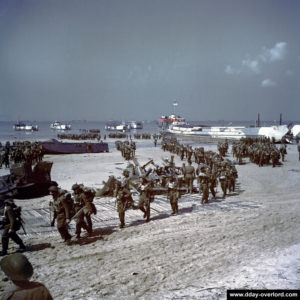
column 175, row 103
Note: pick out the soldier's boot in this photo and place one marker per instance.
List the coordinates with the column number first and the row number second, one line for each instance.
column 143, row 210
column 122, row 219
column 4, row 246
column 148, row 214
column 17, row 240
column 173, row 208
column 176, row 208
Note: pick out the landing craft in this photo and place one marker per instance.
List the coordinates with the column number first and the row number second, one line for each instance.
column 25, row 182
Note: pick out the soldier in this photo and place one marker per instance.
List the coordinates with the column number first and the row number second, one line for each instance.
column 11, row 223
column 223, row 181
column 19, row 270
column 62, row 210
column 204, row 185
column 173, row 195
column 189, row 176
column 79, row 204
column 90, row 207
column 282, row 151
column 145, row 196
column 299, row 151
column 124, row 198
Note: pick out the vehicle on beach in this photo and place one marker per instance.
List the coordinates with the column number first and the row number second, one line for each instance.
column 60, row 126
column 55, row 147
column 21, row 126
column 26, row 182
column 135, row 124
column 117, row 126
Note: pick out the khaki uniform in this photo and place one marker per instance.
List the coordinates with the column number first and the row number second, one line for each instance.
column 62, row 210
column 30, row 291
column 173, row 194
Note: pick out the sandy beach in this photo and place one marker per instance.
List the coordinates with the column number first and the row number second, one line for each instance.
column 248, row 240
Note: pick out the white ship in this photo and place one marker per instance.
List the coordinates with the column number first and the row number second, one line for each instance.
column 229, row 132
column 60, row 126
column 20, row 126
column 117, row 126
column 135, row 124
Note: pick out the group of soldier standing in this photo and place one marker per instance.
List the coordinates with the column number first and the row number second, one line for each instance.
column 17, row 152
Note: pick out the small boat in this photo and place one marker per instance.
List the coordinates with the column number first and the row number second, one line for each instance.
column 60, row 126
column 135, row 124
column 55, row 147
column 117, row 126
column 21, row 126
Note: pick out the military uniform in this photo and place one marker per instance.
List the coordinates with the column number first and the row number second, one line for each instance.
column 78, row 207
column 145, row 197
column 189, row 177
column 63, row 212
column 223, row 182
column 11, row 223
column 173, row 195
column 123, row 197
column 19, row 270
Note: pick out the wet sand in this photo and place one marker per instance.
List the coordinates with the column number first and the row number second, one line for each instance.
column 248, row 240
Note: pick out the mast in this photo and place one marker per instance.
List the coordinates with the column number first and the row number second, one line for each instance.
column 280, row 120
column 175, row 103
column 258, row 120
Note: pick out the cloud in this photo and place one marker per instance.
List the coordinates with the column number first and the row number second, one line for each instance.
column 278, row 52
column 268, row 83
column 289, row 73
column 251, row 64
column 231, row 71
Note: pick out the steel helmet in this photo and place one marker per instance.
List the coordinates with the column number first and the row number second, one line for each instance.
column 53, row 188
column 16, row 266
column 75, row 186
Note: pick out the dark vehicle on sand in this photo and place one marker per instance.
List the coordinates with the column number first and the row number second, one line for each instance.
column 26, row 182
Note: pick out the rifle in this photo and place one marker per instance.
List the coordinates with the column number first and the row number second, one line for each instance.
column 21, row 221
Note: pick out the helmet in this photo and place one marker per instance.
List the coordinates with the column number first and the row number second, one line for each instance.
column 16, row 266
column 53, row 188
column 75, row 186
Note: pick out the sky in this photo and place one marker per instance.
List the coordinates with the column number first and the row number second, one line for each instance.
column 131, row 59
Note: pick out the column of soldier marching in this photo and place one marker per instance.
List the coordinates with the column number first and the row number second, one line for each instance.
column 147, row 181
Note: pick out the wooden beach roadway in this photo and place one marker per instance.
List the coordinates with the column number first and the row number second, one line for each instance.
column 37, row 221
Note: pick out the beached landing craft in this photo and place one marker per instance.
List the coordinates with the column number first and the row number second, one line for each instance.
column 60, row 126
column 20, row 126
column 55, row 147
column 276, row 132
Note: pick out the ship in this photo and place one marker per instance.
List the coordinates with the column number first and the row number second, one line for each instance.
column 55, row 147
column 166, row 121
column 207, row 133
column 21, row 126
column 135, row 124
column 60, row 126
column 117, row 126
